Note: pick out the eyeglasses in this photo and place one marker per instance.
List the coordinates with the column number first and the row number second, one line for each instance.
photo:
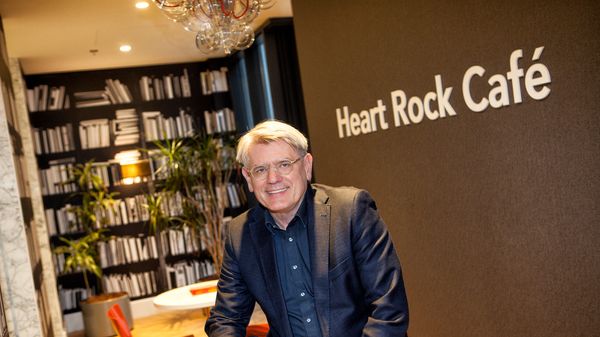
column 283, row 167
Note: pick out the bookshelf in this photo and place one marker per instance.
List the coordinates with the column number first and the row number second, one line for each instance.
column 94, row 115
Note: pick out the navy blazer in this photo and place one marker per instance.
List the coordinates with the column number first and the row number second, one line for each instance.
column 356, row 274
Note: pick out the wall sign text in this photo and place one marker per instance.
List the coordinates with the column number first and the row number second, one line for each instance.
column 502, row 90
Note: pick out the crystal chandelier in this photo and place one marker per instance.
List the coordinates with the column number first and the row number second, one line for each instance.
column 219, row 24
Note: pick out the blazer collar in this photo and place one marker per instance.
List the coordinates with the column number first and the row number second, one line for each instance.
column 318, row 240
column 263, row 241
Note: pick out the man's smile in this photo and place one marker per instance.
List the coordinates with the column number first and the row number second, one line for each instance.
column 280, row 190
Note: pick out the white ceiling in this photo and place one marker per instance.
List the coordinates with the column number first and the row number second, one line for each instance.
column 56, row 36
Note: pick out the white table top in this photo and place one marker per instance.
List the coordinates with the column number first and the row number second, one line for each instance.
column 182, row 297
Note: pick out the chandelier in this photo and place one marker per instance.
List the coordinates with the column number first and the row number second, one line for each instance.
column 219, row 24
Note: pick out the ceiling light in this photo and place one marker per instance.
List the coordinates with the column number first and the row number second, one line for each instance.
column 125, row 48
column 219, row 24
column 141, row 5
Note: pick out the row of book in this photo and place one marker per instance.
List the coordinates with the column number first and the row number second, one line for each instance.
column 180, row 241
column 62, row 220
column 213, row 81
column 144, row 284
column 235, row 196
column 124, row 211
column 42, row 98
column 59, row 264
column 94, row 133
column 158, row 127
column 230, row 195
column 109, row 172
column 168, row 87
column 53, row 140
column 128, row 210
column 156, row 161
column 126, row 249
column 188, row 272
column 125, row 127
column 171, row 204
column 117, row 92
column 119, row 250
column 130, row 249
column 56, row 178
column 219, row 121
column 134, row 284
column 114, row 92
column 69, row 298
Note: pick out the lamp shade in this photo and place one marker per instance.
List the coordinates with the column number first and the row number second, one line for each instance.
column 135, row 171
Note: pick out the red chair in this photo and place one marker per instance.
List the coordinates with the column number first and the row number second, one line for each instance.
column 258, row 330
column 118, row 321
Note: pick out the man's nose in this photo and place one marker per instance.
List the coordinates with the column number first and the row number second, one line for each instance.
column 272, row 174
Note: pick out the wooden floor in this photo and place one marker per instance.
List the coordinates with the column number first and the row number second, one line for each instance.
column 175, row 323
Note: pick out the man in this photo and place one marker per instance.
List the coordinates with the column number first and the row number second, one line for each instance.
column 318, row 259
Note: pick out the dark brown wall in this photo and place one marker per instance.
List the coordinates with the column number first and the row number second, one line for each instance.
column 495, row 214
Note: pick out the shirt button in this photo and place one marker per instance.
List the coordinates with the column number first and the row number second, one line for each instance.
column 290, row 239
column 308, row 320
column 302, row 294
column 294, row 267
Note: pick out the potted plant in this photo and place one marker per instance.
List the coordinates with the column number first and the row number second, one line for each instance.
column 81, row 253
column 198, row 169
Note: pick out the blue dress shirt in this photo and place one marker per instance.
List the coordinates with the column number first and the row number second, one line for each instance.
column 293, row 268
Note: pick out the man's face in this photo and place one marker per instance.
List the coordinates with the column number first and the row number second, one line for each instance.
column 280, row 194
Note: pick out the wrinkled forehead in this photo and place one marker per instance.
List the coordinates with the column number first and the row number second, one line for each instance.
column 270, row 152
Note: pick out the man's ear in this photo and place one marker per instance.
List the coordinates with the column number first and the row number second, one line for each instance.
column 248, row 179
column 308, row 160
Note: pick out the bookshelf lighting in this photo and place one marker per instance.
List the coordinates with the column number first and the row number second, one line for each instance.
column 133, row 169
column 134, row 173
column 220, row 25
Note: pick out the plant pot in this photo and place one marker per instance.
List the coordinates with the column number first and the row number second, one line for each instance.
column 94, row 311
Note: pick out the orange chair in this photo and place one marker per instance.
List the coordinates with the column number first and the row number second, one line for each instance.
column 258, row 330
column 118, row 321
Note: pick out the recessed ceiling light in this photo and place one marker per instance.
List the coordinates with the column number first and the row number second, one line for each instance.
column 125, row 48
column 141, row 4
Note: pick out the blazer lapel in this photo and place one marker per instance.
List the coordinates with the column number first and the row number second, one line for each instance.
column 263, row 242
column 318, row 237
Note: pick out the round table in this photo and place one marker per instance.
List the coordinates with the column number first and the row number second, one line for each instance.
column 193, row 296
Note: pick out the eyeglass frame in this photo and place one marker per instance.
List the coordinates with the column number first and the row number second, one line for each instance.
column 268, row 168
